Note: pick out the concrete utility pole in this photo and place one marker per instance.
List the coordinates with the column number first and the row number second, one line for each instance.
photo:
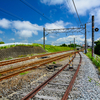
column 93, row 36
column 85, row 41
column 44, row 38
column 70, row 45
column 74, row 44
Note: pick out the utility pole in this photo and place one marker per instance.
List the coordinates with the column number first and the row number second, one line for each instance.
column 74, row 44
column 85, row 41
column 44, row 38
column 93, row 36
column 70, row 45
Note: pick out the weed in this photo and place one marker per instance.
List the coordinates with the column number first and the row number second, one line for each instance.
column 24, row 73
column 90, row 79
column 6, row 58
column 95, row 61
column 11, row 67
column 54, row 62
column 0, row 74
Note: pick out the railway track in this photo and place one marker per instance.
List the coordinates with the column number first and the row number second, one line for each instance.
column 58, row 86
column 7, row 73
column 3, row 63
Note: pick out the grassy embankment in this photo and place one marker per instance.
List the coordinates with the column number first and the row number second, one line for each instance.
column 95, row 60
column 48, row 48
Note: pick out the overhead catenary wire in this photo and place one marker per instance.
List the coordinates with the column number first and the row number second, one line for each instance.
column 10, row 14
column 76, row 12
column 13, row 15
column 36, row 10
column 73, row 14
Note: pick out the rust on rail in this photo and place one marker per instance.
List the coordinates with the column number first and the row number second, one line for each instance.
column 72, row 81
column 33, row 93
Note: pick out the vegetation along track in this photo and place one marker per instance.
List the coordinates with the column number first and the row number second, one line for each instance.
column 15, row 71
column 57, row 83
column 3, row 63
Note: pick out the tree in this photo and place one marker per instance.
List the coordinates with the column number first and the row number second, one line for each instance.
column 63, row 45
column 2, row 42
column 97, row 47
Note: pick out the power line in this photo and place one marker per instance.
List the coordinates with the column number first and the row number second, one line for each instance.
column 33, row 8
column 73, row 14
column 76, row 11
column 10, row 14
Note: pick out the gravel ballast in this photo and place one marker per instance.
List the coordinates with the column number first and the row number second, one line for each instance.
column 87, row 84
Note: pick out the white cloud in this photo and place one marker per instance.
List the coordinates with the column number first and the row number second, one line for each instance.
column 98, row 39
column 12, row 39
column 52, row 36
column 4, row 23
column 52, row 2
column 56, row 25
column 82, row 5
column 26, row 33
column 78, row 39
column 1, row 32
column 41, row 40
column 25, row 25
column 22, row 28
column 96, row 13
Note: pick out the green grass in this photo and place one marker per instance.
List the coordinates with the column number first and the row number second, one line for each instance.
column 24, row 73
column 95, row 61
column 48, row 48
column 54, row 62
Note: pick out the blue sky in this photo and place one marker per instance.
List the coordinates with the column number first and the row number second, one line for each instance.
column 60, row 12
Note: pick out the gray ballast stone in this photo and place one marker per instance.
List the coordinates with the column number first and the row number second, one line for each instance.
column 87, row 82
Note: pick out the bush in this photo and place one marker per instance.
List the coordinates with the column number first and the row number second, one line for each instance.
column 2, row 42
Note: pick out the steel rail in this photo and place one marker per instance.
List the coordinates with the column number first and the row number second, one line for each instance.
column 3, row 63
column 27, row 65
column 33, row 93
column 72, row 81
column 34, row 67
column 30, row 64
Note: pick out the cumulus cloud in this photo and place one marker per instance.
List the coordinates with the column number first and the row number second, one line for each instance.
column 96, row 13
column 26, row 33
column 41, row 40
column 56, row 25
column 52, row 2
column 78, row 40
column 98, row 39
column 4, row 23
column 12, row 39
column 52, row 36
column 22, row 28
column 82, row 5
column 25, row 25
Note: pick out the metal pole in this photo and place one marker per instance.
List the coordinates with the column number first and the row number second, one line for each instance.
column 44, row 38
column 70, row 45
column 85, row 41
column 74, row 44
column 92, row 36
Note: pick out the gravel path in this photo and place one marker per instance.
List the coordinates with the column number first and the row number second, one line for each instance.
column 87, row 84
